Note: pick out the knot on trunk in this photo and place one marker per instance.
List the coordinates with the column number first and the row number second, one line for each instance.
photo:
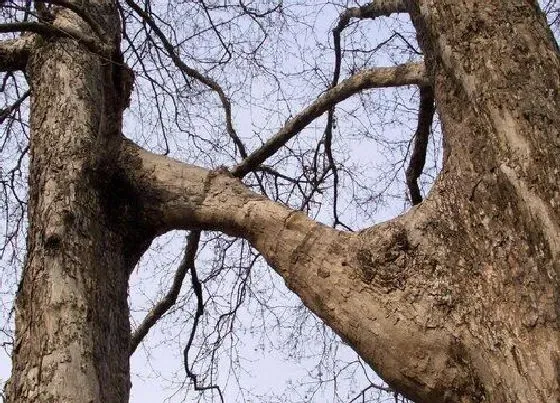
column 382, row 261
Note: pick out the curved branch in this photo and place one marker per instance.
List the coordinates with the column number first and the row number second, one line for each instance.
column 405, row 74
column 169, row 299
column 358, row 283
column 418, row 158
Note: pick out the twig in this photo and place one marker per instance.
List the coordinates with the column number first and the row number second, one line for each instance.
column 4, row 113
column 195, row 74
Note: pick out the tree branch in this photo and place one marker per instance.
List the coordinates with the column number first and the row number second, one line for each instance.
column 389, row 264
column 4, row 113
column 48, row 29
column 197, row 289
column 193, row 73
column 14, row 52
column 169, row 299
column 415, row 168
column 405, row 74
column 372, row 10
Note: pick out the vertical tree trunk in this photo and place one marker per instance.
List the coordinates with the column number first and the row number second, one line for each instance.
column 496, row 206
column 72, row 329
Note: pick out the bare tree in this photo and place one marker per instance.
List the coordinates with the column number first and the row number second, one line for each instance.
column 454, row 300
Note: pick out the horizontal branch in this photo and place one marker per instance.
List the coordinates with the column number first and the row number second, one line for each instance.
column 14, row 52
column 46, row 29
column 405, row 74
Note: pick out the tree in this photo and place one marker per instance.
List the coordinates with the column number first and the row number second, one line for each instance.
column 455, row 300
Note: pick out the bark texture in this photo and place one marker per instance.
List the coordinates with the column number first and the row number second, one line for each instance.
column 455, row 301
column 72, row 329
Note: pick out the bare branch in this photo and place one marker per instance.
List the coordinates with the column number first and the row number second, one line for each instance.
column 169, row 299
column 14, row 53
column 192, row 73
column 418, row 157
column 197, row 288
column 42, row 28
column 405, row 74
column 4, row 113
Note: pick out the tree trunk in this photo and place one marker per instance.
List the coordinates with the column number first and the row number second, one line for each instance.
column 456, row 300
column 72, row 329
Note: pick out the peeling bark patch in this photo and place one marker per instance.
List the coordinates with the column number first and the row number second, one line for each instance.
column 517, row 360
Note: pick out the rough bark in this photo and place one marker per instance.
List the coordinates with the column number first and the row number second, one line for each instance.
column 72, row 329
column 454, row 301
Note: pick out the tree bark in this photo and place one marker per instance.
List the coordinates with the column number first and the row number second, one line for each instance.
column 72, row 328
column 457, row 299
column 454, row 301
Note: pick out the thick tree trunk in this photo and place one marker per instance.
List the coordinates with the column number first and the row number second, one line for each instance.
column 72, row 329
column 456, row 300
